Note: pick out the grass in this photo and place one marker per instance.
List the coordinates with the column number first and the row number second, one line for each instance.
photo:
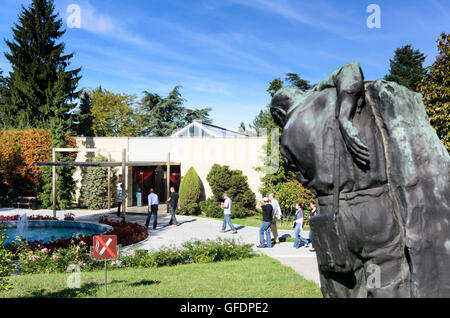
column 254, row 220
column 255, row 277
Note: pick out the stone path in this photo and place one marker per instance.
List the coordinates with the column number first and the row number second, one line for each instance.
column 301, row 260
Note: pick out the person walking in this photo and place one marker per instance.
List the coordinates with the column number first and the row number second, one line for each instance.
column 298, row 224
column 276, row 216
column 312, row 204
column 172, row 203
column 120, row 196
column 226, row 206
column 267, row 213
column 153, row 203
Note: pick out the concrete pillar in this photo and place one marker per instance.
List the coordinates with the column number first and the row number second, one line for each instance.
column 124, row 184
column 54, row 183
column 109, row 183
column 168, row 176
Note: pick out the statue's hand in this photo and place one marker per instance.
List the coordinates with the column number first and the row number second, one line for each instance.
column 355, row 146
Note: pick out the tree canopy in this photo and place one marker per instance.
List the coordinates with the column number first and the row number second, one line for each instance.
column 113, row 114
column 163, row 116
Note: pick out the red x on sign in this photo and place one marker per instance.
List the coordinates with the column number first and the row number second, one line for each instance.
column 105, row 246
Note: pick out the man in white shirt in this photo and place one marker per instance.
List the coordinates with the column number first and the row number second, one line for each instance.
column 226, row 206
column 153, row 203
column 276, row 216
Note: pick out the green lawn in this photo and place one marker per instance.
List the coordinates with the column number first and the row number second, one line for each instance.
column 254, row 220
column 255, row 277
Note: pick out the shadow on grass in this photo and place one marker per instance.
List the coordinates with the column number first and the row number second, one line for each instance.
column 87, row 289
column 286, row 238
column 145, row 282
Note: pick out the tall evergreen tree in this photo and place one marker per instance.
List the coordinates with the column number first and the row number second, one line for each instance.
column 59, row 128
column 84, row 126
column 4, row 101
column 406, row 67
column 38, row 62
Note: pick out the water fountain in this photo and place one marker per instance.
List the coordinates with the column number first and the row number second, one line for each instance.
column 22, row 224
column 50, row 230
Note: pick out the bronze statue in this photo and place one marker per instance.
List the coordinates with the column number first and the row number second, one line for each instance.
column 381, row 176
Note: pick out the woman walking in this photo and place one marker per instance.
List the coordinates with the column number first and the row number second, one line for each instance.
column 298, row 224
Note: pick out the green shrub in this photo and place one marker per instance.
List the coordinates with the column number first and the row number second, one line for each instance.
column 288, row 194
column 6, row 266
column 211, row 208
column 240, row 211
column 94, row 187
column 221, row 179
column 190, row 190
column 195, row 251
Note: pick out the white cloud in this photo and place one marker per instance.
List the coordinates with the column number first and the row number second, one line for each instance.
column 315, row 14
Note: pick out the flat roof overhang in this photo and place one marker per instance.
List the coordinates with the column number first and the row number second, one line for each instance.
column 104, row 164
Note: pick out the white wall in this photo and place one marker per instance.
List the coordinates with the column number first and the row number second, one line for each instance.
column 201, row 153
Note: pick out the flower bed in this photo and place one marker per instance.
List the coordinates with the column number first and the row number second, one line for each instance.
column 30, row 218
column 196, row 251
column 127, row 233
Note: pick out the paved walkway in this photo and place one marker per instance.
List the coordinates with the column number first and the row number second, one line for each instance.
column 301, row 260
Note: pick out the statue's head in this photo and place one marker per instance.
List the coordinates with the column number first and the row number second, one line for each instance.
column 282, row 101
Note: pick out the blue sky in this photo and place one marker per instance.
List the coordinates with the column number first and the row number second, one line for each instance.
column 225, row 52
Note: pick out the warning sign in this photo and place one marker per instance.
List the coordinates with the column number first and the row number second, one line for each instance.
column 105, row 247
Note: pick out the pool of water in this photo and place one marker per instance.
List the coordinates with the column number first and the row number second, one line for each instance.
column 47, row 231
column 47, row 234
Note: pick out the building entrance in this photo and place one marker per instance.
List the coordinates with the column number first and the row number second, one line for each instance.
column 147, row 177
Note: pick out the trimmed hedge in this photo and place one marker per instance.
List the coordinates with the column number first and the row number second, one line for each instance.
column 94, row 187
column 190, row 190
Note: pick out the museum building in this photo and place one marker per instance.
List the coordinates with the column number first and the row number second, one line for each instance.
column 161, row 162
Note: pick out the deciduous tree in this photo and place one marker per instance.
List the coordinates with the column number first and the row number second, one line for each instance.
column 435, row 88
column 113, row 114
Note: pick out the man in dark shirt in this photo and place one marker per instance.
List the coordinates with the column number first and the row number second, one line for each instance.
column 267, row 210
column 173, row 203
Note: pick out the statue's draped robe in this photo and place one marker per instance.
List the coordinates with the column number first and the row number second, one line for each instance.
column 394, row 213
column 418, row 174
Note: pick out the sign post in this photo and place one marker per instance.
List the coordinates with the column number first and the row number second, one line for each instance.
column 104, row 249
